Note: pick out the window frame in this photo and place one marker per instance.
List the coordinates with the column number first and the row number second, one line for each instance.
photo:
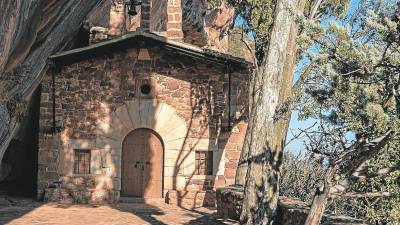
column 203, row 163
column 87, row 161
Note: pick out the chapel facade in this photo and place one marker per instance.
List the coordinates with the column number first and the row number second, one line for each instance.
column 142, row 115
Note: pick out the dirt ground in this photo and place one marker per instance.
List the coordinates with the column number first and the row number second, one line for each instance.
column 25, row 212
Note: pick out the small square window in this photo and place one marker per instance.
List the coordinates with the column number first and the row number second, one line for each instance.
column 81, row 161
column 203, row 163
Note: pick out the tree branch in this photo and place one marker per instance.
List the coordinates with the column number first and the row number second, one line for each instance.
column 365, row 151
column 315, row 9
column 363, row 175
column 362, row 194
column 298, row 135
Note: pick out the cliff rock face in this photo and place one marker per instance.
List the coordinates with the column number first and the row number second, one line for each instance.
column 205, row 25
column 32, row 30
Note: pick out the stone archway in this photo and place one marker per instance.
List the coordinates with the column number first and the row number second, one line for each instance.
column 140, row 113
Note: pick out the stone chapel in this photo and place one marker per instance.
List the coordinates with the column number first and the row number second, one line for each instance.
column 142, row 115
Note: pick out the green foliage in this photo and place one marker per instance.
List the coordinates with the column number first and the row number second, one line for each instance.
column 352, row 86
column 335, row 7
column 257, row 19
column 328, row 8
column 351, row 80
column 376, row 210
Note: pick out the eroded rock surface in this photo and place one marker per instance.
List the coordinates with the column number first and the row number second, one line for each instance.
column 30, row 31
column 206, row 25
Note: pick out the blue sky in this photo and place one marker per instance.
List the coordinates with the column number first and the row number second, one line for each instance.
column 295, row 124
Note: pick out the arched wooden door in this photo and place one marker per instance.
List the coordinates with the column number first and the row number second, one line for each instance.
column 142, row 164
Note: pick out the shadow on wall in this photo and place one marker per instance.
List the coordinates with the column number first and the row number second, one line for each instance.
column 211, row 119
column 188, row 110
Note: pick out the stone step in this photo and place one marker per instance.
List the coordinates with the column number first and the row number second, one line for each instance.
column 141, row 200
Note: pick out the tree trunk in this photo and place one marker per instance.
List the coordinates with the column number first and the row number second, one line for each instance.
column 289, row 69
column 321, row 199
column 270, row 88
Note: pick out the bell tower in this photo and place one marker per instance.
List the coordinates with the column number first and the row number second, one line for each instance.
column 145, row 16
column 166, row 13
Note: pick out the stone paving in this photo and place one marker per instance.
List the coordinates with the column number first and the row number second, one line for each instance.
column 26, row 212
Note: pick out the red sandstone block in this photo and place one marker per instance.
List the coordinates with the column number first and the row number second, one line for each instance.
column 229, row 146
column 174, row 34
column 230, row 173
column 174, row 2
column 219, row 183
column 171, row 18
column 174, row 10
column 231, row 165
column 237, row 137
column 232, row 155
column 194, row 187
column 177, row 17
column 230, row 181
column 174, row 25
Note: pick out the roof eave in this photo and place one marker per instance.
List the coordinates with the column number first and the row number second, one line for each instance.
column 183, row 47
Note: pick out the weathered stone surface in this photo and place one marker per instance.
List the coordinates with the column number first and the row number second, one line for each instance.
column 191, row 199
column 290, row 211
column 80, row 196
column 117, row 18
column 207, row 25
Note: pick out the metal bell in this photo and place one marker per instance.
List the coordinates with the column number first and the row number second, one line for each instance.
column 132, row 7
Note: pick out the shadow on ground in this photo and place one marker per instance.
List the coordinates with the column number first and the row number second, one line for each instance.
column 19, row 210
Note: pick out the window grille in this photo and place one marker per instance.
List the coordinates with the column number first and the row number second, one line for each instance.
column 81, row 161
column 204, row 163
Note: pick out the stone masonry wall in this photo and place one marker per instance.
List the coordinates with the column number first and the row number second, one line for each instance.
column 289, row 212
column 90, row 91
